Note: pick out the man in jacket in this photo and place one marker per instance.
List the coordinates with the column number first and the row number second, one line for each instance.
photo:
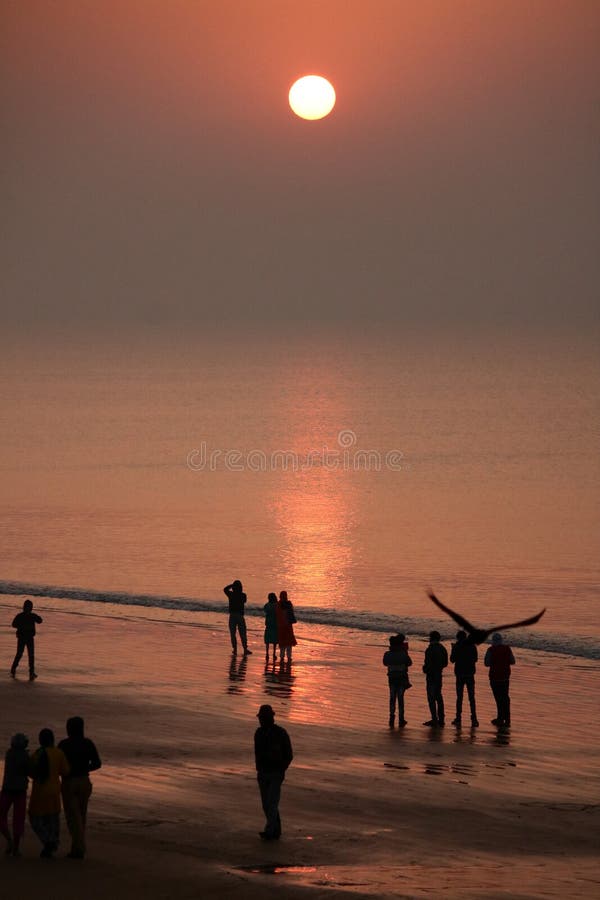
column 273, row 754
column 83, row 758
column 25, row 623
column 436, row 660
column 464, row 657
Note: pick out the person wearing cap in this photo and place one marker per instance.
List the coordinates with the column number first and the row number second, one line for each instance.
column 14, row 792
column 464, row 657
column 25, row 623
column 499, row 658
column 273, row 754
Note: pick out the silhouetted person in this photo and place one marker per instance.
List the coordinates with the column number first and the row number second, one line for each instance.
column 436, row 660
column 479, row 635
column 499, row 658
column 83, row 758
column 397, row 661
column 464, row 657
column 273, row 753
column 47, row 765
column 237, row 622
column 270, row 610
column 286, row 619
column 25, row 623
column 14, row 792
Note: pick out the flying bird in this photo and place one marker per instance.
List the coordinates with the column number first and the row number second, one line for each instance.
column 479, row 635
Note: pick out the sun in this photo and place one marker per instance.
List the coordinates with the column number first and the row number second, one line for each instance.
column 312, row 97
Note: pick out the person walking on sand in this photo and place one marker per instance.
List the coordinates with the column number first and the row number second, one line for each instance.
column 237, row 600
column 464, row 657
column 270, row 610
column 499, row 658
column 25, row 623
column 82, row 758
column 436, row 660
column 14, row 792
column 397, row 661
column 273, row 755
column 48, row 765
column 286, row 619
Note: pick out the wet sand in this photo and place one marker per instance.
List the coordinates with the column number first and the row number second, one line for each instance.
column 366, row 812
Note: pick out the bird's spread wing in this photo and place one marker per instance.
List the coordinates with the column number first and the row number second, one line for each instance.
column 456, row 616
column 530, row 621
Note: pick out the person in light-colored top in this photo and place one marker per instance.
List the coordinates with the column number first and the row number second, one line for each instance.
column 48, row 766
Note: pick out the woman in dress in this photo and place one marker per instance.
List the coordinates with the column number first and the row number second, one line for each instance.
column 48, row 765
column 271, row 635
column 285, row 626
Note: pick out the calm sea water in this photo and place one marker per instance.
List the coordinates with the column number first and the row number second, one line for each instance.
column 354, row 473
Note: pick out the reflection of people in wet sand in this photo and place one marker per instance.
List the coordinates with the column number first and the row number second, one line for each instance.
column 397, row 661
column 499, row 658
column 48, row 766
column 464, row 657
column 14, row 792
column 286, row 618
column 273, row 754
column 237, row 674
column 436, row 660
column 237, row 600
column 25, row 623
column 83, row 758
column 270, row 610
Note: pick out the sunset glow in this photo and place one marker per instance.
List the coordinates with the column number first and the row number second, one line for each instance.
column 312, row 97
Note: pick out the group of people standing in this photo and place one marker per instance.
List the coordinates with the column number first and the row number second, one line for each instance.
column 280, row 619
column 498, row 659
column 57, row 773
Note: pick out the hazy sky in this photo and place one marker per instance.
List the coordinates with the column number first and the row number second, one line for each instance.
column 153, row 174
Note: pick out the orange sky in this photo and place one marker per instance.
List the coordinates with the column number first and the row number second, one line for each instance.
column 465, row 134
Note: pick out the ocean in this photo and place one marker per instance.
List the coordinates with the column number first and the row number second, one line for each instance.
column 355, row 472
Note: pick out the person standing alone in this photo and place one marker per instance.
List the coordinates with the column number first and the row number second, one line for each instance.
column 273, row 755
column 83, row 758
column 237, row 600
column 25, row 623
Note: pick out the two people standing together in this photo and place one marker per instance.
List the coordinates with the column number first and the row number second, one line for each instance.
column 280, row 619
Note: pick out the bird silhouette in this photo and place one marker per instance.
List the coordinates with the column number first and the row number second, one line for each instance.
column 479, row 635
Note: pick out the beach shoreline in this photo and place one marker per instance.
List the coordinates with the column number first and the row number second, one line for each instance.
column 366, row 811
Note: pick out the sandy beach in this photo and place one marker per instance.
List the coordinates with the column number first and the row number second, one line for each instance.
column 175, row 811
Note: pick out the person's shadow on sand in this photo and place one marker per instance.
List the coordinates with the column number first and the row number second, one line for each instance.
column 501, row 738
column 237, row 674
